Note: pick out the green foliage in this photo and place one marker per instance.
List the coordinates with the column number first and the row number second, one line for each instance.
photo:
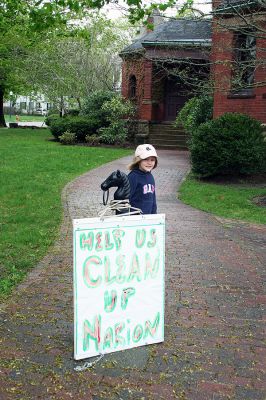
column 117, row 108
column 45, row 15
column 41, row 53
column 80, row 126
column 92, row 140
column 68, row 138
column 53, row 111
column 195, row 112
column 116, row 133
column 74, row 112
column 99, row 117
column 50, row 118
column 117, row 113
column 230, row 144
column 92, row 107
column 58, row 126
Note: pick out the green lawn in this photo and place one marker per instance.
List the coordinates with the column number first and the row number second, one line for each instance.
column 25, row 118
column 229, row 201
column 34, row 171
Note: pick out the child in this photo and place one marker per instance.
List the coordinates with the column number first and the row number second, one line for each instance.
column 142, row 184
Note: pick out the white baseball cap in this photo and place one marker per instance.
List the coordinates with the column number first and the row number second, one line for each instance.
column 144, row 151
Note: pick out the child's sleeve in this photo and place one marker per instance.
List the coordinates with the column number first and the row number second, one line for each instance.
column 133, row 185
column 154, row 207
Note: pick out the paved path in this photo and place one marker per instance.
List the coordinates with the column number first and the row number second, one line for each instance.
column 214, row 328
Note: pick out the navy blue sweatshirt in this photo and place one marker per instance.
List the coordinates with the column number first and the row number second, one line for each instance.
column 142, row 191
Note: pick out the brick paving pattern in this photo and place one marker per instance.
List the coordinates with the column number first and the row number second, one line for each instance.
column 214, row 344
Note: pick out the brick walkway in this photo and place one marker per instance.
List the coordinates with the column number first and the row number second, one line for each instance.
column 214, row 325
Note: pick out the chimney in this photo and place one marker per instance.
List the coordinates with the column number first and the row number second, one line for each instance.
column 216, row 3
column 154, row 19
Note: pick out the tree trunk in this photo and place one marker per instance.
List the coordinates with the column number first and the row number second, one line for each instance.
column 79, row 103
column 2, row 117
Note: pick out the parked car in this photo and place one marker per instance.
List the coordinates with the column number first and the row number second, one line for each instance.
column 40, row 111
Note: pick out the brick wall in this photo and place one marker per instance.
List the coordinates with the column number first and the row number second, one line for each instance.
column 222, row 53
column 133, row 66
column 149, row 91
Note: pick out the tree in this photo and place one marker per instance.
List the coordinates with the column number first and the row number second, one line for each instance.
column 74, row 64
column 23, row 23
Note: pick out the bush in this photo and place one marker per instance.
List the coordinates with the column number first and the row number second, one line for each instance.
column 93, row 140
column 195, row 112
column 92, row 107
column 68, row 138
column 230, row 144
column 116, row 109
column 116, row 133
column 58, row 126
column 81, row 126
column 52, row 117
column 73, row 112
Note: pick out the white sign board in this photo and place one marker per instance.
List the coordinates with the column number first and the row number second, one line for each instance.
column 118, row 283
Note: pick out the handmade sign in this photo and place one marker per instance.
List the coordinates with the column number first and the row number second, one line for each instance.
column 118, row 283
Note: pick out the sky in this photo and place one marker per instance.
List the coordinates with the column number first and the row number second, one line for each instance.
column 115, row 11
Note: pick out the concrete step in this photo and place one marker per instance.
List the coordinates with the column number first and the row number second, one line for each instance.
column 165, row 135
column 174, row 144
column 166, row 129
column 171, row 147
column 168, row 136
column 167, row 141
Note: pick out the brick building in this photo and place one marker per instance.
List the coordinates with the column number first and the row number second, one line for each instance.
column 149, row 61
column 233, row 44
column 239, row 57
column 149, row 76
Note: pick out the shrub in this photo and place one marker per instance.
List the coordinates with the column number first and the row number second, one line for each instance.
column 73, row 112
column 195, row 112
column 93, row 140
column 58, row 126
column 68, row 138
column 116, row 133
column 116, row 110
column 51, row 117
column 230, row 144
column 92, row 107
column 81, row 126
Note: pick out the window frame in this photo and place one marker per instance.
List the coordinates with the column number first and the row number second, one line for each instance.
column 244, row 54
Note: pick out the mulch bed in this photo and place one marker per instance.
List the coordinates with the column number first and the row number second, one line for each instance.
column 245, row 180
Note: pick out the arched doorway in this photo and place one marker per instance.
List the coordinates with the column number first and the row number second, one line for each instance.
column 176, row 95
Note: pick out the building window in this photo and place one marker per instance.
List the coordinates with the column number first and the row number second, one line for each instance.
column 244, row 61
column 132, row 87
column 23, row 105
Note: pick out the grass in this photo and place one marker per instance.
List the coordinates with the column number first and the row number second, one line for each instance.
column 25, row 118
column 228, row 201
column 34, row 171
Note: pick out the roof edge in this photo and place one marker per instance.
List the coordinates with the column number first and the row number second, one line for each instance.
column 229, row 9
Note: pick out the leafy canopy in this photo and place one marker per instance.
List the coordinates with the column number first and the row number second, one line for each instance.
column 43, row 13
